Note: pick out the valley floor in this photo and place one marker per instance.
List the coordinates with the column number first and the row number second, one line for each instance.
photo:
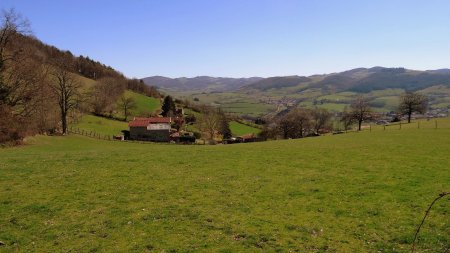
column 356, row 192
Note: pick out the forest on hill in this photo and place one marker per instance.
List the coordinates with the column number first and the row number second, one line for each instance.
column 42, row 87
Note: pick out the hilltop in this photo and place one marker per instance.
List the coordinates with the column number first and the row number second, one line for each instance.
column 201, row 83
column 358, row 80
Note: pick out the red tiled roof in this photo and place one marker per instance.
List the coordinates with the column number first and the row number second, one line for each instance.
column 144, row 122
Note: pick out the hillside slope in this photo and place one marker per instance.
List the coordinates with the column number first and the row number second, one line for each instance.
column 361, row 192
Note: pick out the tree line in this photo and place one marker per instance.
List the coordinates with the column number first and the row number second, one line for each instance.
column 298, row 123
column 303, row 122
column 41, row 86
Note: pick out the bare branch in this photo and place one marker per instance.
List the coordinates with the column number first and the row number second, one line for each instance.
column 441, row 195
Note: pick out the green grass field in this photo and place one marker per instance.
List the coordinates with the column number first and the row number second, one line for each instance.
column 239, row 129
column 230, row 102
column 255, row 109
column 100, row 125
column 356, row 192
column 144, row 105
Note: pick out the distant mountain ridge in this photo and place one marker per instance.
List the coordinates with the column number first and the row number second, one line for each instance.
column 203, row 83
column 356, row 80
column 362, row 80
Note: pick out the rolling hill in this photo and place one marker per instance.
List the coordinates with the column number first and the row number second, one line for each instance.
column 204, row 83
column 360, row 80
column 332, row 91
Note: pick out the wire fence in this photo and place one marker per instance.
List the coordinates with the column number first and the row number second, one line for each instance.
column 436, row 124
column 441, row 123
column 106, row 137
column 91, row 134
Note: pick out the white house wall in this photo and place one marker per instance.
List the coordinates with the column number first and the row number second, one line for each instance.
column 158, row 127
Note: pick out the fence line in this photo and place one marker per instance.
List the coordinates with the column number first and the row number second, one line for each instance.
column 396, row 126
column 95, row 135
column 91, row 134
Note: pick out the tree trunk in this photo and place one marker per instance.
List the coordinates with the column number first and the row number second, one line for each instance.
column 359, row 125
column 64, row 123
column 409, row 116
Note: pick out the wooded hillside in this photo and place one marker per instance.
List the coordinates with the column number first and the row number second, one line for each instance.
column 42, row 87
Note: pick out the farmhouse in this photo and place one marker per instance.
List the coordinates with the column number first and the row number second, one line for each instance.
column 150, row 129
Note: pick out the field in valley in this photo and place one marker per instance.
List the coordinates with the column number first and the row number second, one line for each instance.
column 259, row 103
column 355, row 192
column 238, row 129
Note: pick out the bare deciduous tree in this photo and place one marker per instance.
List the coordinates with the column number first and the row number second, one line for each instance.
column 347, row 118
column 320, row 120
column 12, row 25
column 285, row 126
column 105, row 94
column 295, row 124
column 209, row 122
column 127, row 103
column 65, row 87
column 360, row 111
column 411, row 102
column 20, row 78
column 302, row 122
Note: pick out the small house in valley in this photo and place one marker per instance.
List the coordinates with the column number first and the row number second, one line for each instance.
column 151, row 129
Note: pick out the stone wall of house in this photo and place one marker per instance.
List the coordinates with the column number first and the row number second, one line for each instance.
column 142, row 134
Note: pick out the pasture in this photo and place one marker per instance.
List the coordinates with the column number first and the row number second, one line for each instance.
column 355, row 192
column 144, row 104
column 238, row 129
column 100, row 125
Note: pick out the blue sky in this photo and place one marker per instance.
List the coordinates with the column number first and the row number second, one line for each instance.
column 243, row 38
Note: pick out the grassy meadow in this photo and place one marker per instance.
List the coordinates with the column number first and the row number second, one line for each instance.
column 355, row 192
column 100, row 125
column 238, row 129
column 144, row 104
